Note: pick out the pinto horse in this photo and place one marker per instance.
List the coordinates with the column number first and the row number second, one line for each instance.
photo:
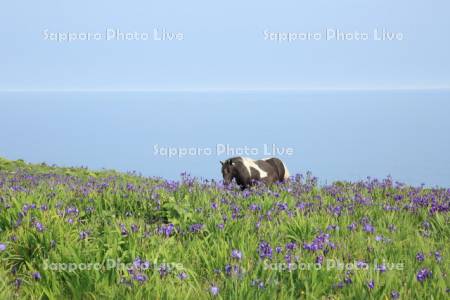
column 246, row 171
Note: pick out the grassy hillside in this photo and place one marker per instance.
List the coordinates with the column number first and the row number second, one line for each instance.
column 75, row 233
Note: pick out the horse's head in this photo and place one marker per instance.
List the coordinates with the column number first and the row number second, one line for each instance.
column 228, row 171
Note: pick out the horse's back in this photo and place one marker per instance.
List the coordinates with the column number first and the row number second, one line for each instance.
column 279, row 167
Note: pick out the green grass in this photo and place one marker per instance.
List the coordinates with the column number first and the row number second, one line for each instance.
column 107, row 199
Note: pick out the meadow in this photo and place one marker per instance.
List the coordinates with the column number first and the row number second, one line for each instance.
column 73, row 233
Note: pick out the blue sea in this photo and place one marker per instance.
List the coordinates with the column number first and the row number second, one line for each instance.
column 337, row 135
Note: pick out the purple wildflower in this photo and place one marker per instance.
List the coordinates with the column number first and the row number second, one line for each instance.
column 134, row 228
column 256, row 282
column 369, row 228
column 319, row 243
column 254, row 207
column 352, row 227
column 228, row 269
column 332, row 227
column 140, row 264
column 291, row 246
column 163, row 271
column 214, row 290
column 371, row 284
column 282, row 206
column 36, row 276
column 167, row 230
column 130, row 186
column 395, row 295
column 420, row 257
column 195, row 228
column 361, row 264
column 426, row 225
column 84, row 235
column 236, row 254
column 288, row 258
column 182, row 276
column 423, row 274
column 39, row 226
column 18, row 282
column 141, row 278
column 2, row 247
column 319, row 259
column 25, row 208
column 265, row 251
column 123, row 230
column 382, row 268
column 437, row 256
column 72, row 210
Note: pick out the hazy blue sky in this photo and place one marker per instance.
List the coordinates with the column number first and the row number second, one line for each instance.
column 337, row 135
column 223, row 45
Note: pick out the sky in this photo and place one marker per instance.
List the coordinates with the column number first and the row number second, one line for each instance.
column 352, row 102
column 223, row 45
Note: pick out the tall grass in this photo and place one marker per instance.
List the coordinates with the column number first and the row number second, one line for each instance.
column 61, row 229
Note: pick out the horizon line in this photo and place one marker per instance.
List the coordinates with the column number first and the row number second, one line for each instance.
column 250, row 89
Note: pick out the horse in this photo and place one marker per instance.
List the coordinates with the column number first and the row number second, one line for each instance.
column 247, row 171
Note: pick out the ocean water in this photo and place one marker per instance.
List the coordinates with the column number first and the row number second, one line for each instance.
column 337, row 135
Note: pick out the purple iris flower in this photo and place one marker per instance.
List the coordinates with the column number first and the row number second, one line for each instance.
column 214, row 290
column 265, row 251
column 195, row 228
column 123, row 230
column 319, row 259
column 395, row 295
column 352, row 227
column 423, row 274
column 236, row 254
column 134, row 228
column 369, row 228
column 437, row 256
column 39, row 226
column 84, row 235
column 36, row 276
column 291, row 246
column 382, row 268
column 420, row 257
column 163, row 270
column 141, row 278
column 166, row 230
